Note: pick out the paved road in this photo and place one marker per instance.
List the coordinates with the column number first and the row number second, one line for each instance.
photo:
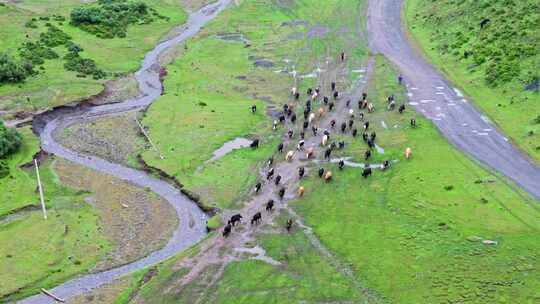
column 192, row 226
column 432, row 95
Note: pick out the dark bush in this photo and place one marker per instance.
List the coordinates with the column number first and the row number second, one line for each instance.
column 10, row 140
column 36, row 52
column 54, row 37
column 74, row 48
column 84, row 66
column 12, row 71
column 111, row 17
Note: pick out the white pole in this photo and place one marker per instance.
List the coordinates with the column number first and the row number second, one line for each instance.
column 40, row 191
column 148, row 137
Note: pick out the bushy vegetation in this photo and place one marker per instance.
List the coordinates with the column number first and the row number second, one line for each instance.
column 83, row 66
column 498, row 37
column 12, row 71
column 10, row 140
column 53, row 37
column 111, row 18
column 36, row 52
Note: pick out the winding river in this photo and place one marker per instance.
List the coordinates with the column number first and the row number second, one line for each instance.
column 192, row 226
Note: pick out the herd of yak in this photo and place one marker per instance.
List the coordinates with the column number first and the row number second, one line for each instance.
column 308, row 125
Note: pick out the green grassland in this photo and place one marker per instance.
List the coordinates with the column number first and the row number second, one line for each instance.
column 54, row 85
column 38, row 253
column 210, row 88
column 21, row 183
column 410, row 231
column 303, row 277
column 502, row 57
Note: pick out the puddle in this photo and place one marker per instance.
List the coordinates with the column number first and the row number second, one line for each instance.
column 264, row 63
column 237, row 143
column 310, row 75
column 295, row 23
column 235, row 37
column 296, row 36
column 352, row 164
column 260, row 254
column 359, row 71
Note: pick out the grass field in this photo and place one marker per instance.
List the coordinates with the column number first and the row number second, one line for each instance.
column 22, row 183
column 210, row 105
column 412, row 232
column 36, row 252
column 94, row 222
column 511, row 42
column 303, row 277
column 56, row 86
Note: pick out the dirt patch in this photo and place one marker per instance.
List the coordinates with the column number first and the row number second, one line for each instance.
column 117, row 90
column 136, row 221
column 103, row 295
column 114, row 138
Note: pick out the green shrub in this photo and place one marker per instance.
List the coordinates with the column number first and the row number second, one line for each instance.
column 214, row 222
column 31, row 24
column 4, row 168
column 83, row 66
column 36, row 52
column 111, row 18
column 54, row 37
column 10, row 140
column 12, row 71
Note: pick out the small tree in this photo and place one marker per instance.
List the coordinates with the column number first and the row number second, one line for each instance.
column 10, row 140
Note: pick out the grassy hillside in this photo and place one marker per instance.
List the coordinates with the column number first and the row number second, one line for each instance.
column 490, row 49
column 54, row 85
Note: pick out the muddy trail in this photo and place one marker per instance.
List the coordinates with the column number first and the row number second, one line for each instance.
column 192, row 226
column 207, row 267
column 435, row 97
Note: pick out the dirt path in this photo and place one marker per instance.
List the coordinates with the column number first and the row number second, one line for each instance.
column 217, row 252
column 433, row 96
column 192, row 227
